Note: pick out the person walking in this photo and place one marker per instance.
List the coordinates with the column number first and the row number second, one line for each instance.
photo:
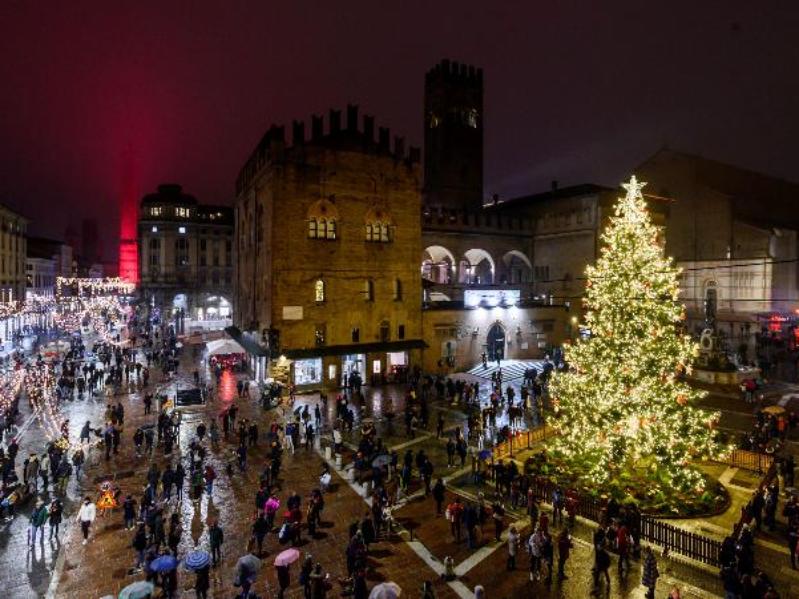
column 56, row 515
column 283, row 580
column 175, row 533
column 564, row 549
column 601, row 566
column 534, row 547
column 439, row 491
column 216, row 537
column 513, row 545
column 38, row 519
column 202, row 582
column 649, row 572
column 259, row 529
column 139, row 544
column 86, row 515
column 78, row 458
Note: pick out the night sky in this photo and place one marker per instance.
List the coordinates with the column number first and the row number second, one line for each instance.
column 100, row 99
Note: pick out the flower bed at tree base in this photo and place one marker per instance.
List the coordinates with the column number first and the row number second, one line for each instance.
column 652, row 497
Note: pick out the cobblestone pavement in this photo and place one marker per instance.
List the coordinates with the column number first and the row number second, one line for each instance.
column 415, row 553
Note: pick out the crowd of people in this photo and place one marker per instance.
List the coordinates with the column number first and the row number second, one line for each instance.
column 153, row 517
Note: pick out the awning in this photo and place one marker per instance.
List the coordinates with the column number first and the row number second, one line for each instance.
column 247, row 342
column 221, row 347
column 354, row 348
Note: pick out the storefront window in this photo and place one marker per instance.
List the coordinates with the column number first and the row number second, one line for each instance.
column 331, row 372
column 376, row 367
column 398, row 358
column 308, row 372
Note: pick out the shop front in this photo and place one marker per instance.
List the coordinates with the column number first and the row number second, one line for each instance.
column 350, row 366
column 397, row 366
column 307, row 372
column 353, row 367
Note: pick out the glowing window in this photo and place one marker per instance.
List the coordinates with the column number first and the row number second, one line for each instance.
column 319, row 290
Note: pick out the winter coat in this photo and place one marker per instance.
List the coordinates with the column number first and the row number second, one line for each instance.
column 649, row 571
column 216, row 536
column 39, row 516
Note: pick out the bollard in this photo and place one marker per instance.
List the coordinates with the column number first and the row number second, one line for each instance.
column 351, row 475
column 317, row 443
column 367, row 488
column 328, row 453
column 338, row 461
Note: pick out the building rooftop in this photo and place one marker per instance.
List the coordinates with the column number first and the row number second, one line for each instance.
column 169, row 193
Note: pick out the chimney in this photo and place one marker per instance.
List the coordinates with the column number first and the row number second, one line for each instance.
column 383, row 137
column 335, row 121
column 297, row 133
column 352, row 118
column 317, row 128
column 369, row 128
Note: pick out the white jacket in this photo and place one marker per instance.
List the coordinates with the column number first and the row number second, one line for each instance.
column 87, row 513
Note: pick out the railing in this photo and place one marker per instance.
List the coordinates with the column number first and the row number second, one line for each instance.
column 521, row 440
column 748, row 460
column 672, row 538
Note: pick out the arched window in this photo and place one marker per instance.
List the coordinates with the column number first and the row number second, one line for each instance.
column 322, row 220
column 319, row 290
column 378, row 225
column 397, row 290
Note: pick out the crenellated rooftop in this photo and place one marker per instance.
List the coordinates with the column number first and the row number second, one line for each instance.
column 353, row 136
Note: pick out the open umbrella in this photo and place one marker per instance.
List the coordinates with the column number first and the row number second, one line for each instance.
column 381, row 460
column 289, row 556
column 247, row 567
column 272, row 504
column 197, row 559
column 484, row 454
column 385, row 590
column 138, row 590
column 776, row 410
column 165, row 563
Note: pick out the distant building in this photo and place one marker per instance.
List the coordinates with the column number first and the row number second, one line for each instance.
column 13, row 250
column 735, row 233
column 328, row 235
column 40, row 274
column 185, row 255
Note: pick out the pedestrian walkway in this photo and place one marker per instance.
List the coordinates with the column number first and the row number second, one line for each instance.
column 512, row 370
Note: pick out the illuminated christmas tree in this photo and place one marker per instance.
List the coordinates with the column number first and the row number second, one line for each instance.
column 624, row 412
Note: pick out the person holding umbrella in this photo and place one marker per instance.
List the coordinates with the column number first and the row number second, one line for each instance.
column 200, row 563
column 246, row 571
column 282, row 562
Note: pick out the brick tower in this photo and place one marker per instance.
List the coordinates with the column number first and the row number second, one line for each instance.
column 453, row 136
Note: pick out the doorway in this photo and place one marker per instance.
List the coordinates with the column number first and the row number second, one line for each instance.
column 495, row 343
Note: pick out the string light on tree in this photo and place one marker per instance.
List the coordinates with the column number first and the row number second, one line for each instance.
column 622, row 406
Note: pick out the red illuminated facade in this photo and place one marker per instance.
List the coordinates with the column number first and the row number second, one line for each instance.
column 128, row 232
